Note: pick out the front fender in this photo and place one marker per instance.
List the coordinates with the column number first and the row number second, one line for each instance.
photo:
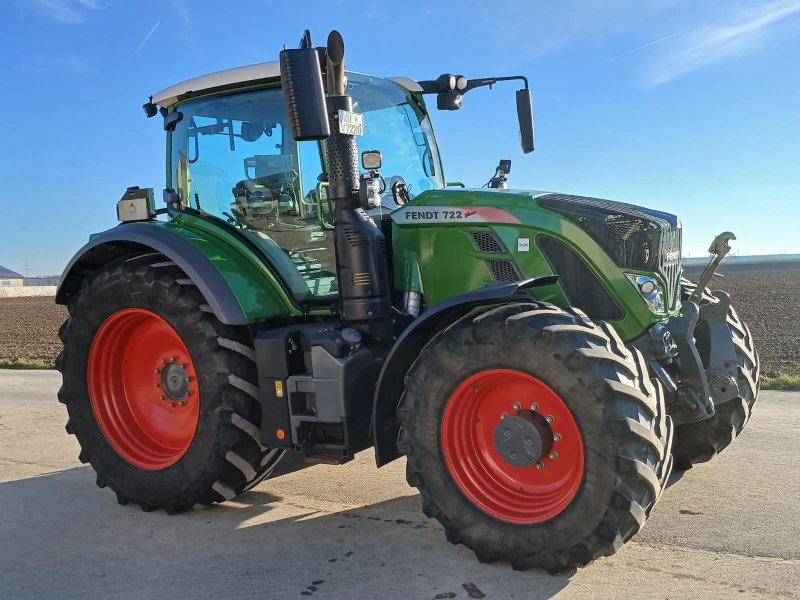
column 235, row 290
column 410, row 344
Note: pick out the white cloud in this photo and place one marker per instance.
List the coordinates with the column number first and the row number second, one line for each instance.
column 72, row 12
column 741, row 34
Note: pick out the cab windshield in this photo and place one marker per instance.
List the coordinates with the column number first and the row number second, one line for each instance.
column 233, row 157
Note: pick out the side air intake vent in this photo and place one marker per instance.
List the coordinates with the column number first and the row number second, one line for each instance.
column 582, row 287
column 487, row 242
column 503, row 270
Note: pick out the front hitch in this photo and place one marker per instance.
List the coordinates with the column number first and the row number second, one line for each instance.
column 704, row 365
column 692, row 398
column 719, row 248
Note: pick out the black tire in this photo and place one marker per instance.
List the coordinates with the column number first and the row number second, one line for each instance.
column 618, row 409
column 701, row 441
column 225, row 457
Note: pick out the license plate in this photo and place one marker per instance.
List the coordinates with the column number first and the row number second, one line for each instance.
column 351, row 123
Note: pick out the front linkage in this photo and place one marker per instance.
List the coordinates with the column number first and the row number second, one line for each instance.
column 693, row 354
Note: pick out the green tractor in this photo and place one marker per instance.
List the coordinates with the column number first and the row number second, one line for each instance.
column 537, row 357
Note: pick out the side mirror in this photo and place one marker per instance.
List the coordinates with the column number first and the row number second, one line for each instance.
column 303, row 94
column 525, row 116
column 449, row 100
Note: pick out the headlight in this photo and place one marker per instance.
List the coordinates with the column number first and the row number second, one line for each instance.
column 650, row 290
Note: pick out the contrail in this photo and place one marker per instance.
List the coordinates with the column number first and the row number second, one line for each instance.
column 658, row 41
column 147, row 37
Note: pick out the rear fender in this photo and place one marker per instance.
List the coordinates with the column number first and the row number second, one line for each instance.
column 133, row 239
column 410, row 344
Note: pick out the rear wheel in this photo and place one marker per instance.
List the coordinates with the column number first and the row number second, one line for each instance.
column 535, row 436
column 162, row 396
column 701, row 441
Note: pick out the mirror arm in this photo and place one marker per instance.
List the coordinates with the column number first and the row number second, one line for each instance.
column 439, row 86
column 490, row 81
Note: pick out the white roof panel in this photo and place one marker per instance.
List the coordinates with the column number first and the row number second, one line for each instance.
column 169, row 96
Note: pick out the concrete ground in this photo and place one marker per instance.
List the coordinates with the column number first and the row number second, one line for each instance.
column 727, row 529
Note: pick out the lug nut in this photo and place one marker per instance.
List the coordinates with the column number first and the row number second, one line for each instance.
column 163, row 396
column 534, row 407
column 557, row 437
column 553, row 455
column 163, row 361
column 540, row 465
column 157, row 384
column 550, row 418
column 190, row 393
column 185, row 366
column 517, row 406
column 158, row 370
column 172, row 405
column 504, row 416
column 174, row 359
column 190, row 378
column 183, row 402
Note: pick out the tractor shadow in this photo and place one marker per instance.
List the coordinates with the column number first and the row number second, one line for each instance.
column 59, row 532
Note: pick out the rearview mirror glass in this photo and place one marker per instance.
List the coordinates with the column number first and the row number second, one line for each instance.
column 303, row 94
column 525, row 116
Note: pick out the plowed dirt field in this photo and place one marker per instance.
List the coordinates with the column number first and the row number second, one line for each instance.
column 766, row 299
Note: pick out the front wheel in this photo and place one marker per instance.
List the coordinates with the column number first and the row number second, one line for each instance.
column 535, row 436
column 161, row 395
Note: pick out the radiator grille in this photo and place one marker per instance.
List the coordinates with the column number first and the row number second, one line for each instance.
column 634, row 236
column 670, row 263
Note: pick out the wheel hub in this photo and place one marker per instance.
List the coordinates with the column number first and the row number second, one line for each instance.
column 175, row 381
column 522, row 439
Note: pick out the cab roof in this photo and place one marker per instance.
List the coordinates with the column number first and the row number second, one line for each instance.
column 239, row 75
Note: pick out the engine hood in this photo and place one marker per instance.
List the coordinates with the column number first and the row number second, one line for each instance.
column 482, row 205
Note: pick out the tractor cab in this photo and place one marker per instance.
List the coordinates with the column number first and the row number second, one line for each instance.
column 232, row 157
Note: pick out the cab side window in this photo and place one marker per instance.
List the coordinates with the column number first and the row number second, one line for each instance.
column 234, row 158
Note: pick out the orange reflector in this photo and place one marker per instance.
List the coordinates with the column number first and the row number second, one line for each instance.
column 280, row 434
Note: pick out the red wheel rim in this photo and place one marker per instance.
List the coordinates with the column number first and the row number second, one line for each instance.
column 143, row 389
column 524, row 495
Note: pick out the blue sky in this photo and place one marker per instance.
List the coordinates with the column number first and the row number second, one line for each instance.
column 687, row 106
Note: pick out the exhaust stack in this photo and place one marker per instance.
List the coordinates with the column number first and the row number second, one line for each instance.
column 361, row 256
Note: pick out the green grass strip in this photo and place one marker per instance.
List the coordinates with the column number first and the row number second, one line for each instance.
column 781, row 382
column 25, row 363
